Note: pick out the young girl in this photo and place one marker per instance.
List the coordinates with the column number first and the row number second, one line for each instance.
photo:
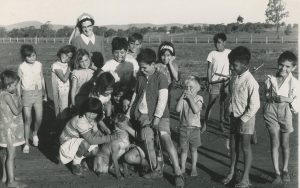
column 282, row 97
column 189, row 107
column 165, row 63
column 32, row 91
column 11, row 125
column 79, row 138
column 80, row 78
column 60, row 81
column 102, row 90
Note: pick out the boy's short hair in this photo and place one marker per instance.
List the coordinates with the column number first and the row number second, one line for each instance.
column 26, row 50
column 119, row 43
column 195, row 80
column 66, row 49
column 146, row 55
column 135, row 37
column 240, row 53
column 288, row 56
column 103, row 82
column 221, row 36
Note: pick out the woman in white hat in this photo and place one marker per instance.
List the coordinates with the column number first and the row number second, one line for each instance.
column 84, row 37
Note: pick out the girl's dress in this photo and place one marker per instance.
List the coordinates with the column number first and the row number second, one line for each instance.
column 11, row 126
column 60, row 91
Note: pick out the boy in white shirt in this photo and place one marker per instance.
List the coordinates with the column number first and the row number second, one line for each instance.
column 218, row 65
column 282, row 95
column 244, row 103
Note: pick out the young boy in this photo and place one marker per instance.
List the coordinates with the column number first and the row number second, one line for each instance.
column 122, row 70
column 189, row 107
column 282, row 95
column 217, row 72
column 149, row 107
column 134, row 44
column 244, row 103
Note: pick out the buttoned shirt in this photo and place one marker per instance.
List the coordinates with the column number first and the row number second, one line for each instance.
column 244, row 96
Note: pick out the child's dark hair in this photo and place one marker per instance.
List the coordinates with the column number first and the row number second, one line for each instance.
column 288, row 56
column 66, row 49
column 240, row 53
column 97, row 59
column 27, row 50
column 7, row 78
column 135, row 37
column 146, row 55
column 221, row 36
column 79, row 54
column 119, row 87
column 93, row 105
column 119, row 43
column 165, row 46
column 119, row 117
column 104, row 81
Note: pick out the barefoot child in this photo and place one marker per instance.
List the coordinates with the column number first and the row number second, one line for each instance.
column 282, row 97
column 244, row 103
column 189, row 107
column 11, row 125
column 218, row 64
column 79, row 139
column 60, row 81
column 33, row 91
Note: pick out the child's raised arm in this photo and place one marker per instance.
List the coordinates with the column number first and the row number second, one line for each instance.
column 173, row 69
column 196, row 106
column 15, row 108
column 63, row 77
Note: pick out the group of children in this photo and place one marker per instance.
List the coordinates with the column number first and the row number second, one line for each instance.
column 136, row 82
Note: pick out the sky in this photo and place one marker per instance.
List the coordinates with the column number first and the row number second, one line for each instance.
column 111, row 12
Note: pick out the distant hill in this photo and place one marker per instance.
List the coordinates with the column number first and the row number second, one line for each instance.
column 37, row 24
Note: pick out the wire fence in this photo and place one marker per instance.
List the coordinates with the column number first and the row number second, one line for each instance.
column 156, row 40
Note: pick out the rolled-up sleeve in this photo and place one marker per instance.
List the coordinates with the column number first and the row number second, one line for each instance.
column 161, row 103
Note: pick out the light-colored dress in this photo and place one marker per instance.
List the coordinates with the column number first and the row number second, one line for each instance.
column 11, row 126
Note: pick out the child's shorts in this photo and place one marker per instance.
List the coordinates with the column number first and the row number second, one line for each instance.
column 32, row 97
column 143, row 120
column 189, row 137
column 219, row 89
column 237, row 128
column 69, row 148
column 279, row 116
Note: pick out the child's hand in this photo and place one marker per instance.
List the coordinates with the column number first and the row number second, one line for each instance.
column 172, row 58
column 188, row 94
column 155, row 123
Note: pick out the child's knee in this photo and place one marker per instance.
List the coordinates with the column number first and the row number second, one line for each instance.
column 193, row 149
column 84, row 147
column 184, row 149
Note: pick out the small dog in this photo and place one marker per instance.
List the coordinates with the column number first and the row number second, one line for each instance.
column 111, row 152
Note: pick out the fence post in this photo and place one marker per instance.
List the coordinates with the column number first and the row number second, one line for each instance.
column 63, row 40
column 9, row 39
column 159, row 39
column 54, row 40
column 172, row 39
column 282, row 39
column 266, row 39
column 251, row 38
column 17, row 39
column 149, row 39
column 196, row 40
column 208, row 40
column 24, row 40
column 3, row 40
column 236, row 40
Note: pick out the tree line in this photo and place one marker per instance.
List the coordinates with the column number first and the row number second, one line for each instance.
column 46, row 30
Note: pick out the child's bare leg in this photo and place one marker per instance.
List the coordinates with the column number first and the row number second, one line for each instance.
column 247, row 150
column 194, row 153
column 234, row 155
column 183, row 157
column 38, row 109
column 274, row 135
column 27, row 123
column 222, row 115
column 285, row 137
column 169, row 146
column 211, row 101
column 3, row 160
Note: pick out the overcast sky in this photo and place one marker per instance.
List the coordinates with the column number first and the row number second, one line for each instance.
column 107, row 12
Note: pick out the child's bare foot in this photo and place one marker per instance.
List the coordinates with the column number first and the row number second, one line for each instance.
column 194, row 172
column 227, row 179
column 4, row 179
column 16, row 184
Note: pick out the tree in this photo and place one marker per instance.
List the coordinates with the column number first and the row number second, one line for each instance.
column 275, row 13
column 240, row 19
